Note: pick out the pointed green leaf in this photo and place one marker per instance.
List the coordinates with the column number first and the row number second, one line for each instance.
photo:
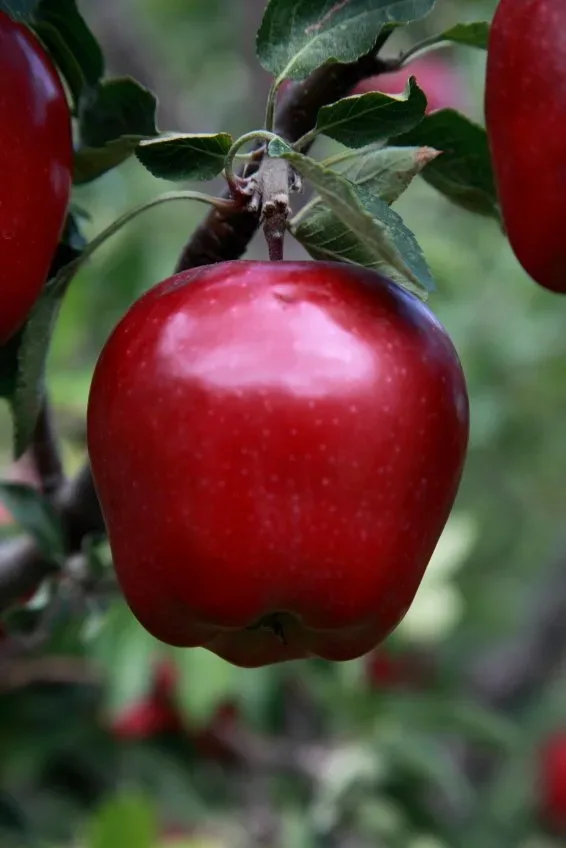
column 185, row 156
column 35, row 515
column 385, row 171
column 328, row 238
column 114, row 118
column 124, row 821
column 32, row 357
column 343, row 198
column 296, row 37
column 74, row 48
column 373, row 117
column 464, row 171
column 474, row 34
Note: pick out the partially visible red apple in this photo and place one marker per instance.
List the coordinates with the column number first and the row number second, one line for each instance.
column 552, row 789
column 439, row 79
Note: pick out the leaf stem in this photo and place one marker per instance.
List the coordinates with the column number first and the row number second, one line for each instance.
column 68, row 272
column 306, row 139
column 427, row 45
column 270, row 106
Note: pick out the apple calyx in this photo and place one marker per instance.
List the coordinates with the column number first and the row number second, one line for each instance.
column 274, row 623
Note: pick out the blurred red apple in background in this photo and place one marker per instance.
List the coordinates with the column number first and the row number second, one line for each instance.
column 388, row 670
column 552, row 787
column 159, row 713
column 439, row 79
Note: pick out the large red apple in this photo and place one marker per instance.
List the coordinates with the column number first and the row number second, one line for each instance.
column 276, row 448
column 438, row 78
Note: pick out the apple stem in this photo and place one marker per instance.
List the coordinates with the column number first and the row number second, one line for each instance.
column 273, row 190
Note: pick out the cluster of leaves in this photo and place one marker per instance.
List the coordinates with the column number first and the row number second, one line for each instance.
column 389, row 141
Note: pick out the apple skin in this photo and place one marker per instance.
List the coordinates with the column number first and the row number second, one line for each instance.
column 553, row 782
column 526, row 125
column 438, row 79
column 276, row 448
column 36, row 163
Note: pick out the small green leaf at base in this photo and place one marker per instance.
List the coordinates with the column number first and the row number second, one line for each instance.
column 185, row 156
column 35, row 516
column 373, row 117
column 296, row 38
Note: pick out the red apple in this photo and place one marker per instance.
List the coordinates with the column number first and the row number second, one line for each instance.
column 397, row 671
column 276, row 448
column 525, row 110
column 553, row 782
column 154, row 714
column 438, row 78
column 36, row 165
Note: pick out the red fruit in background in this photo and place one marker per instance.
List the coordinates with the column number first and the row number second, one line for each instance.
column 553, row 782
column 526, row 124
column 276, row 448
column 393, row 671
column 36, row 159
column 154, row 714
column 438, row 78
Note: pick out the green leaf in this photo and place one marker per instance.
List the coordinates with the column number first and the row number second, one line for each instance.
column 464, row 172
column 128, row 820
column 72, row 45
column 474, row 34
column 33, row 513
column 328, row 238
column 185, row 156
column 31, row 361
column 368, row 118
column 114, row 118
column 128, row 653
column 19, row 10
column 423, row 756
column 205, row 682
column 296, row 37
column 69, row 248
column 385, row 171
column 343, row 198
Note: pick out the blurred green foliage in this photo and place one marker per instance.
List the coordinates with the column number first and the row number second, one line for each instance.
column 376, row 748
